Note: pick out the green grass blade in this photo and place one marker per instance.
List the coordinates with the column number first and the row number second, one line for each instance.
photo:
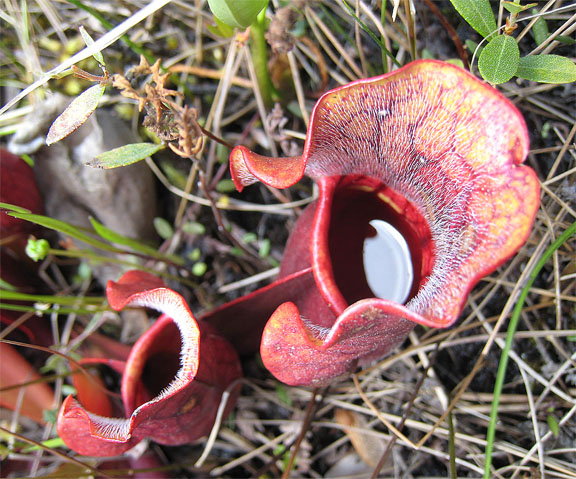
column 65, row 228
column 452, row 446
column 109, row 26
column 18, row 209
column 498, row 385
column 383, row 22
column 372, row 35
column 89, row 309
column 135, row 245
column 52, row 299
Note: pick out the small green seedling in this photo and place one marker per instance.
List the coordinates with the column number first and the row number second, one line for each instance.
column 37, row 249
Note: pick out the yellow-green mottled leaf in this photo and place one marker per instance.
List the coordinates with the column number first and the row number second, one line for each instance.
column 499, row 60
column 124, row 155
column 547, row 69
column 75, row 114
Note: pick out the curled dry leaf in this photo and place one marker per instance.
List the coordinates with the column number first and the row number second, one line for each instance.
column 368, row 447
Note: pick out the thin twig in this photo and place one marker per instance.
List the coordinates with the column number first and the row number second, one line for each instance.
column 308, row 416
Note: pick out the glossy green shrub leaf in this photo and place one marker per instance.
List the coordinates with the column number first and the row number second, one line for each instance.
column 478, row 14
column 540, row 29
column 565, row 39
column 499, row 60
column 547, row 69
column 237, row 13
column 124, row 155
column 75, row 114
column 516, row 8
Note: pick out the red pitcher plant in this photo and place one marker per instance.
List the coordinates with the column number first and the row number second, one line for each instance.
column 422, row 192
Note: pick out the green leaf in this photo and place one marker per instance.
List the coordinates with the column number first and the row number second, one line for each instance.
column 478, row 14
column 163, row 228
column 283, row 394
column 194, row 228
column 540, row 29
column 553, row 425
column 225, row 186
column 75, row 114
column 516, row 8
column 195, row 254
column 237, row 13
column 565, row 39
column 547, row 69
column 89, row 42
column 199, row 269
column 498, row 61
column 221, row 29
column 249, row 237
column 124, row 155
column 264, row 249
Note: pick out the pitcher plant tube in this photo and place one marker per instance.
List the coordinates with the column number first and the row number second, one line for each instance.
column 422, row 192
column 172, row 381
